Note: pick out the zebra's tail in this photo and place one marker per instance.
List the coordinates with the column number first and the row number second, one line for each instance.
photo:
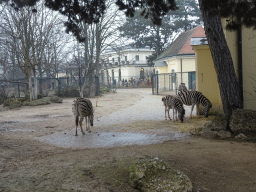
column 76, row 121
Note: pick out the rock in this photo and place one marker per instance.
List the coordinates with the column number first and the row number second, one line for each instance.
column 224, row 134
column 243, row 121
column 218, row 123
column 209, row 134
column 155, row 175
column 241, row 136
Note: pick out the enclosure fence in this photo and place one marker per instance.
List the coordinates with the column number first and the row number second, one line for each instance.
column 168, row 83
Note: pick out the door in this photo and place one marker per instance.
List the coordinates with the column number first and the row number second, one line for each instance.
column 192, row 80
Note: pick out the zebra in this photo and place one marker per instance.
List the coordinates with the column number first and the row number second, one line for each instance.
column 167, row 105
column 195, row 98
column 173, row 102
column 83, row 108
column 182, row 87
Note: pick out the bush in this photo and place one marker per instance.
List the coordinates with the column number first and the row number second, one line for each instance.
column 12, row 103
column 3, row 96
column 67, row 91
column 55, row 99
column 43, row 101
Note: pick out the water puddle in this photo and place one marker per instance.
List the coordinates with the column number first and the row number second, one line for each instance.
column 108, row 139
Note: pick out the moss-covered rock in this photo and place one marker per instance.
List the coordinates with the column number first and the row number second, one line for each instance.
column 243, row 121
column 218, row 123
column 156, row 176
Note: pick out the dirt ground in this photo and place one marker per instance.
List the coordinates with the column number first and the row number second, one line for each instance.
column 27, row 164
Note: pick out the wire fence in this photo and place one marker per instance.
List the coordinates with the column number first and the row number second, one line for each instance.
column 45, row 86
column 126, row 81
column 168, row 83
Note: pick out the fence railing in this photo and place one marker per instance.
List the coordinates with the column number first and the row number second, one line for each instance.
column 168, row 83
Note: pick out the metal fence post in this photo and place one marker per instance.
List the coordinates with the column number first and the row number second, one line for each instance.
column 157, row 86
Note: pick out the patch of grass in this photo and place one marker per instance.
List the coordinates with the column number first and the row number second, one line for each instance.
column 115, row 172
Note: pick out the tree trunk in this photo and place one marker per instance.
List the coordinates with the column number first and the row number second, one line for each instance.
column 30, row 85
column 230, row 91
column 35, row 84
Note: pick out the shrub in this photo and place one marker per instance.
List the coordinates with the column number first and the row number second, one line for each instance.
column 55, row 99
column 67, row 91
column 43, row 101
column 12, row 103
column 3, row 96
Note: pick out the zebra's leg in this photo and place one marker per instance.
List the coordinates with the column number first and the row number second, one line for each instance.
column 81, row 122
column 197, row 109
column 76, row 121
column 165, row 113
column 169, row 113
column 193, row 105
column 89, row 125
column 173, row 111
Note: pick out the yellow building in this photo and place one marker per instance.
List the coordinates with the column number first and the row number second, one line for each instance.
column 206, row 78
column 178, row 60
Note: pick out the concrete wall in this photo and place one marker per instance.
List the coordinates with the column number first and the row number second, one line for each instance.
column 206, row 78
column 249, row 64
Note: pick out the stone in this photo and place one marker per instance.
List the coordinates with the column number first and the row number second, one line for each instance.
column 154, row 175
column 241, row 136
column 209, row 134
column 224, row 134
column 243, row 121
column 218, row 123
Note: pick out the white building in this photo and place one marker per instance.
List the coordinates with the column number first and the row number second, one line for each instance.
column 126, row 63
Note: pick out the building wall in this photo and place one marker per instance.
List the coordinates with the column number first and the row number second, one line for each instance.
column 206, row 78
column 248, row 62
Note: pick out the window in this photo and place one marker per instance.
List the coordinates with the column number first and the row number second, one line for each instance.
column 113, row 60
column 137, row 57
column 125, row 58
column 118, row 59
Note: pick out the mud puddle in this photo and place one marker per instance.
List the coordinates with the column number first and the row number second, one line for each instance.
column 108, row 139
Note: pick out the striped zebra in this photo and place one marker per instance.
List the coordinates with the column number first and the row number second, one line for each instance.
column 182, row 87
column 195, row 98
column 83, row 108
column 173, row 102
column 167, row 105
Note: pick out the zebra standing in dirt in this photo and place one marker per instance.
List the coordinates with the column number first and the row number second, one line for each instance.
column 195, row 98
column 167, row 105
column 173, row 102
column 83, row 108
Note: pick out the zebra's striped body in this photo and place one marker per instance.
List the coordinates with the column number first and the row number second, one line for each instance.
column 83, row 108
column 195, row 98
column 173, row 102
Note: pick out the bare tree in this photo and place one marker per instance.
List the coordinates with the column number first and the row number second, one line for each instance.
column 98, row 37
column 28, row 33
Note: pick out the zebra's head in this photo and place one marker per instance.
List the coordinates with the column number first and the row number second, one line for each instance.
column 206, row 109
column 181, row 114
column 164, row 100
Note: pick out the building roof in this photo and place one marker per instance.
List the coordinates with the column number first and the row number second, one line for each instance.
column 161, row 63
column 181, row 46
